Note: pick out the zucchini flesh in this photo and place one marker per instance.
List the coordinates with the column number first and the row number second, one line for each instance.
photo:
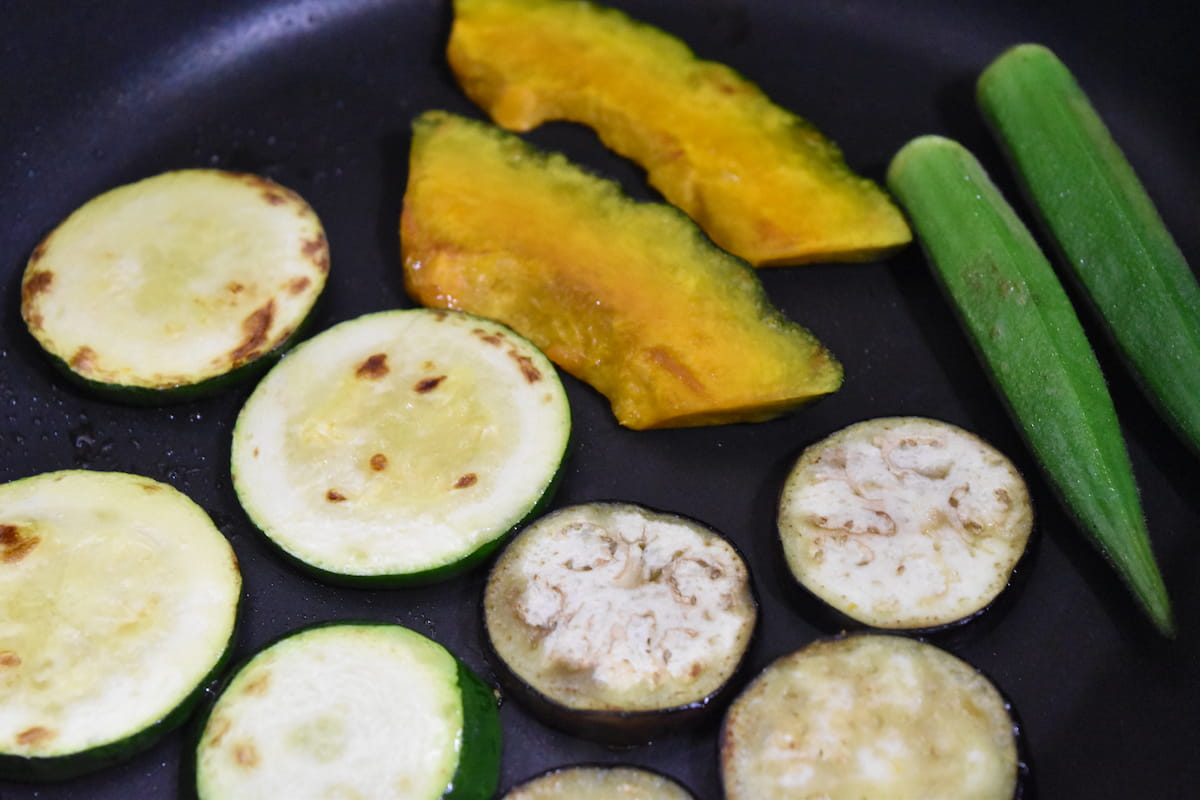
column 904, row 522
column 401, row 446
column 870, row 716
column 175, row 285
column 613, row 621
column 370, row 710
column 1111, row 236
column 120, row 599
column 1030, row 340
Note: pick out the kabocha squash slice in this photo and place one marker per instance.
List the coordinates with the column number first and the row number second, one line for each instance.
column 629, row 297
column 762, row 182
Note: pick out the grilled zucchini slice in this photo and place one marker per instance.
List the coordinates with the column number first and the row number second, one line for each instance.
column 175, row 285
column 401, row 446
column 363, row 710
column 120, row 599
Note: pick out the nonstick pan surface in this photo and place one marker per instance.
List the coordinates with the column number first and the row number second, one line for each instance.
column 319, row 95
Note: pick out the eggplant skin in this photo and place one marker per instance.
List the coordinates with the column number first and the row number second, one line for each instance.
column 871, row 715
column 601, row 689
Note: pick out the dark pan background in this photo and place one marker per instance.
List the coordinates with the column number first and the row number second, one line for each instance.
column 318, row 94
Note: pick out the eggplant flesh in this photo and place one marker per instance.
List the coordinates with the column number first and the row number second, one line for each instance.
column 871, row 715
column 599, row 782
column 615, row 622
column 904, row 523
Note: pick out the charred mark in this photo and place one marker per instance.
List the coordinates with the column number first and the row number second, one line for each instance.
column 14, row 546
column 379, row 462
column 490, row 337
column 298, row 285
column 426, row 385
column 531, row 373
column 37, row 283
column 258, row 686
column 316, row 250
column 334, row 496
column 35, row 736
column 666, row 361
column 470, row 479
column 273, row 197
column 374, row 368
column 84, row 359
column 254, row 328
column 39, row 251
column 220, row 727
column 9, row 659
column 246, row 755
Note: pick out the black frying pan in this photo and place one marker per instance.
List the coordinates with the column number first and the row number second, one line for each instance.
column 318, row 94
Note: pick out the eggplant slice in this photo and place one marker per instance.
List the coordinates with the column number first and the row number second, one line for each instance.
column 904, row 522
column 615, row 622
column 599, row 782
column 870, row 715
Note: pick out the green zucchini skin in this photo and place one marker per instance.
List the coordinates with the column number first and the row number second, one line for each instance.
column 1111, row 237
column 1029, row 339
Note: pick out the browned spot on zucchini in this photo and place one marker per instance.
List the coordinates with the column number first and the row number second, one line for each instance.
column 426, row 385
column 37, row 283
column 530, row 372
column 373, row 368
column 14, row 545
column 316, row 250
column 298, row 285
column 258, row 686
column 246, row 755
column 39, row 251
column 470, row 479
column 219, row 726
column 488, row 337
column 255, row 328
column 9, row 659
column 273, row 197
column 334, row 496
column 235, row 287
column 379, row 462
column 84, row 359
column 35, row 736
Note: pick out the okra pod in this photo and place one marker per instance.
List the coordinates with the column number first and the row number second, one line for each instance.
column 1028, row 337
column 1096, row 210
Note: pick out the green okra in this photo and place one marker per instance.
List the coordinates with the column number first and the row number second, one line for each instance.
column 1031, row 342
column 1098, row 213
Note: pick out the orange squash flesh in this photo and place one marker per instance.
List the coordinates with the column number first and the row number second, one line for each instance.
column 762, row 182
column 629, row 297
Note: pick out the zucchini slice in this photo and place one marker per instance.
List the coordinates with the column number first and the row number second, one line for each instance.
column 175, row 285
column 599, row 782
column 870, row 716
column 120, row 598
column 904, row 522
column 615, row 622
column 364, row 710
column 400, row 447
